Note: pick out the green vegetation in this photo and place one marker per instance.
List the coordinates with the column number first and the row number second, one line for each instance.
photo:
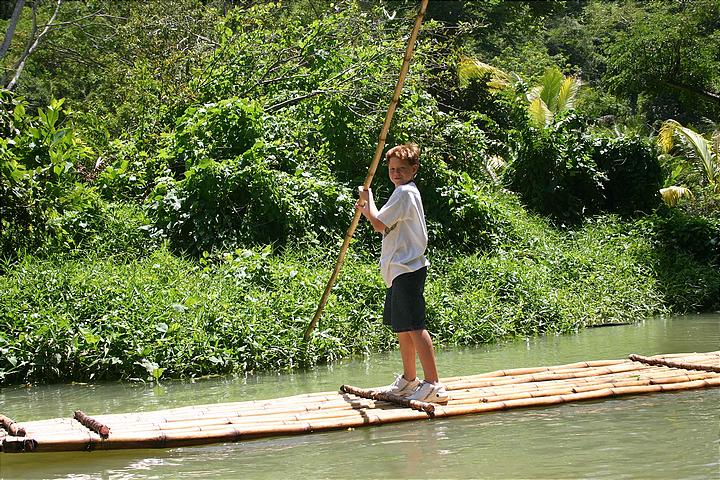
column 177, row 212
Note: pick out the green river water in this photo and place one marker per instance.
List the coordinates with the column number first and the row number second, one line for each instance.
column 665, row 435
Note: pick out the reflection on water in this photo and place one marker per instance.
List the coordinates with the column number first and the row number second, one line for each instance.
column 672, row 435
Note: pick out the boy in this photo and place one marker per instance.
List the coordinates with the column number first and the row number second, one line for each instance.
column 404, row 267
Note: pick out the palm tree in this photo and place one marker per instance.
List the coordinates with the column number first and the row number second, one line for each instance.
column 704, row 150
column 555, row 94
column 471, row 68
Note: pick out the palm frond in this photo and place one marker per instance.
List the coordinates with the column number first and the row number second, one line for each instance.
column 551, row 82
column 568, row 94
column 703, row 149
column 539, row 113
column 665, row 139
column 471, row 68
column 671, row 195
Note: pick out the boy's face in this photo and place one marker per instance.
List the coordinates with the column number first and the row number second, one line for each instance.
column 400, row 171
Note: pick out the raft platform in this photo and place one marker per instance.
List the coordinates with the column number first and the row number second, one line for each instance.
column 354, row 407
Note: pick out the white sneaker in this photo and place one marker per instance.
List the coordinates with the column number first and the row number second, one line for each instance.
column 430, row 392
column 400, row 386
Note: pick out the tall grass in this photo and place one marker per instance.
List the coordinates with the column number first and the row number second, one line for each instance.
column 102, row 316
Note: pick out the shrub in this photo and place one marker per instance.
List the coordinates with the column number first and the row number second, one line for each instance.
column 246, row 201
column 633, row 176
column 554, row 172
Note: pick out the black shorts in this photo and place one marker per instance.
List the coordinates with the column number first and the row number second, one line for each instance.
column 405, row 303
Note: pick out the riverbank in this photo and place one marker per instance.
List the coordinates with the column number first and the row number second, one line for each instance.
column 158, row 315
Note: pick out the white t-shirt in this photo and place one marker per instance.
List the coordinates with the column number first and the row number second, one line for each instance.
column 405, row 237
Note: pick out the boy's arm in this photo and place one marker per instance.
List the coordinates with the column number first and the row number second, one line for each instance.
column 366, row 204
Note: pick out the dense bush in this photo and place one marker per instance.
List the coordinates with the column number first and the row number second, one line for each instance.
column 246, row 201
column 633, row 176
column 165, row 316
column 41, row 198
column 554, row 172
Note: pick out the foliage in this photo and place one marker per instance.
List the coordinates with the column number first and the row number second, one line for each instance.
column 238, row 135
column 246, row 201
column 632, row 174
column 41, row 200
column 554, row 171
column 245, row 310
column 660, row 56
column 122, row 65
column 554, row 96
column 704, row 151
column 686, row 258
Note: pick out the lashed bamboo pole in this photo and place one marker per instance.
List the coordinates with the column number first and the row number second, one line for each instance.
column 89, row 422
column 524, row 371
column 388, row 397
column 258, row 413
column 11, row 426
column 373, row 166
column 670, row 363
column 553, row 390
column 540, row 377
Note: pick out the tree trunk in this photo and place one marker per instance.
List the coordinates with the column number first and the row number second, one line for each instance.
column 31, row 47
column 11, row 25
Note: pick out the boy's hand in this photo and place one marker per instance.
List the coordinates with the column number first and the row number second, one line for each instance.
column 364, row 195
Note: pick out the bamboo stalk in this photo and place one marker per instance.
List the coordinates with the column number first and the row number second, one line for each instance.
column 673, row 364
column 452, row 410
column 388, row 397
column 540, row 377
column 11, row 426
column 373, row 166
column 513, row 383
column 240, row 421
column 568, row 389
column 259, row 413
column 524, row 371
column 89, row 422
column 320, row 400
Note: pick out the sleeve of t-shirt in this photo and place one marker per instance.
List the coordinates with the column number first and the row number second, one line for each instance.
column 395, row 209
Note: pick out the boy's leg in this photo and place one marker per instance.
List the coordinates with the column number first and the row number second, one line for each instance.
column 422, row 343
column 407, row 352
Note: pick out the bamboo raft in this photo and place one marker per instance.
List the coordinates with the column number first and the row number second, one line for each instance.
column 353, row 407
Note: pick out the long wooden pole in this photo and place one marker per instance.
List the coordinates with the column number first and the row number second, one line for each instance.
column 373, row 166
column 672, row 364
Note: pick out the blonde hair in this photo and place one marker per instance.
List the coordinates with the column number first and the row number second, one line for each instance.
column 408, row 152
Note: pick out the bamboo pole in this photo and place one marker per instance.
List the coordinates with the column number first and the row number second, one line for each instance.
column 169, row 417
column 89, row 422
column 388, row 397
column 673, row 364
column 373, row 166
column 540, row 377
column 11, row 426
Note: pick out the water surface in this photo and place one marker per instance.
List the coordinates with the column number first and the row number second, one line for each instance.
column 668, row 435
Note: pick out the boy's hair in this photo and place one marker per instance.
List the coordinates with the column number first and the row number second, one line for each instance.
column 407, row 151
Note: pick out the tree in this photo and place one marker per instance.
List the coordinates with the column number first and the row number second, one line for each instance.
column 34, row 37
column 555, row 95
column 664, row 54
column 705, row 152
